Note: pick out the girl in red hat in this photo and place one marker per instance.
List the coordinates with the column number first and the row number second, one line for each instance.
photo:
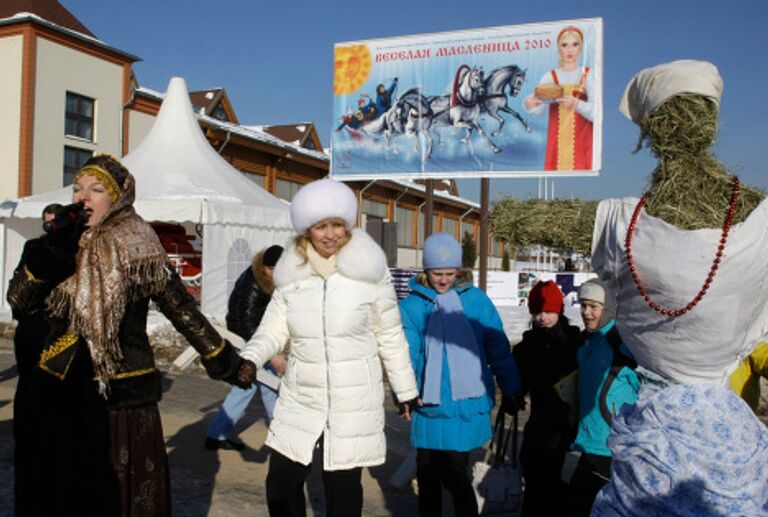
column 546, row 355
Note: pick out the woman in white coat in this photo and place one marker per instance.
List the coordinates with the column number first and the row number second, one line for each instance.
column 335, row 302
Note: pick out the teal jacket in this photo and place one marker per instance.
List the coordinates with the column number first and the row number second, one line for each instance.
column 596, row 359
column 458, row 425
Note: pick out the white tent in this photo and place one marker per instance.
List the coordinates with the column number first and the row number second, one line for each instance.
column 180, row 178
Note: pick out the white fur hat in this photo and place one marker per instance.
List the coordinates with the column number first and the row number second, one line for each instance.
column 323, row 199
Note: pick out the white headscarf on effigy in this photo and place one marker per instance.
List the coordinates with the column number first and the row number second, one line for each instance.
column 652, row 86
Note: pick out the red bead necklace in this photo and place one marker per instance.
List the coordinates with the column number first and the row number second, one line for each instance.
column 712, row 270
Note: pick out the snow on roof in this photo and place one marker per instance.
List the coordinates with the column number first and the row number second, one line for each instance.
column 253, row 132
column 412, row 185
column 261, row 136
column 26, row 16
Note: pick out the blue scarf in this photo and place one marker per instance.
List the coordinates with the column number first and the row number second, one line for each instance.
column 449, row 332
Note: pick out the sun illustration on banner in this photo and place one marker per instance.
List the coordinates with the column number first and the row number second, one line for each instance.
column 351, row 65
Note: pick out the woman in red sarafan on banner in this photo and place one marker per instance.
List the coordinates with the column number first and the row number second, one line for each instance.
column 570, row 107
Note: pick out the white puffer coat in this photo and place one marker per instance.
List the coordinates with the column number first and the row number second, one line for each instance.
column 341, row 330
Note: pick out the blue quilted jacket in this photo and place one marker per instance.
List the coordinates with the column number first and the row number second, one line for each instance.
column 458, row 425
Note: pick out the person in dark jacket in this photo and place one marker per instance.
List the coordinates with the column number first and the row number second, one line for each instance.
column 545, row 356
column 28, row 339
column 247, row 303
column 95, row 387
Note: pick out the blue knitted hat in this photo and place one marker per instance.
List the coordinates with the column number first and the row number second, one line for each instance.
column 441, row 251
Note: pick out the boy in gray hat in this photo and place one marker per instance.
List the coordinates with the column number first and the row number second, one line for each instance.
column 607, row 381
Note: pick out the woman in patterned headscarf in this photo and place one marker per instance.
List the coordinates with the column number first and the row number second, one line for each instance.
column 97, row 385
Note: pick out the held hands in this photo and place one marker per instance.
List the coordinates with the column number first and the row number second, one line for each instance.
column 245, row 375
column 278, row 364
column 511, row 404
column 405, row 409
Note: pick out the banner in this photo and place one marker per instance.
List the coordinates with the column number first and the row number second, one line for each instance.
column 510, row 101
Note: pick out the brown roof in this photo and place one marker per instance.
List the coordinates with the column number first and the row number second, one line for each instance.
column 204, row 99
column 50, row 10
column 290, row 132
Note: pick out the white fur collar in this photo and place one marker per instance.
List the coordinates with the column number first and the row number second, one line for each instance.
column 360, row 259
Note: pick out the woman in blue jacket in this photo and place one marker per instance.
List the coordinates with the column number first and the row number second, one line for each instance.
column 457, row 346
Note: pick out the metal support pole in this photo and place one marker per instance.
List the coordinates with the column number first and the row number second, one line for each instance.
column 428, row 199
column 484, row 203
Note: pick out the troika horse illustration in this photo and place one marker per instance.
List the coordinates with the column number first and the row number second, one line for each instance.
column 471, row 95
column 494, row 100
column 411, row 116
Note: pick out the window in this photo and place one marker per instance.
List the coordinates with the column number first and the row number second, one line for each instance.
column 256, row 178
column 422, row 221
column 286, row 189
column 375, row 209
column 310, row 144
column 220, row 113
column 239, row 257
column 404, row 218
column 74, row 159
column 467, row 227
column 450, row 226
column 79, row 116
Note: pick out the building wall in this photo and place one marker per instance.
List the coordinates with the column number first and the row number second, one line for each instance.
column 10, row 114
column 61, row 69
column 139, row 126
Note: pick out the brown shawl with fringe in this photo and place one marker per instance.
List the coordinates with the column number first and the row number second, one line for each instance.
column 120, row 260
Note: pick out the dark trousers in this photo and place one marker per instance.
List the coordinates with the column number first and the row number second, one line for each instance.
column 435, row 469
column 592, row 473
column 285, row 489
column 545, row 492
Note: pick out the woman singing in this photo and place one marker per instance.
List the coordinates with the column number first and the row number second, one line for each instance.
column 99, row 448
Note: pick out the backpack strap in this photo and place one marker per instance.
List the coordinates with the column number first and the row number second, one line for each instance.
column 619, row 361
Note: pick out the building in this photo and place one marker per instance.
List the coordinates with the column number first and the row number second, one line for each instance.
column 67, row 95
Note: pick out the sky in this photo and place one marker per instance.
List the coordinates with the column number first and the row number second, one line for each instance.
column 275, row 60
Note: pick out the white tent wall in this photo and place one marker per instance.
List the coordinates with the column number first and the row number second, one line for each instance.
column 227, row 250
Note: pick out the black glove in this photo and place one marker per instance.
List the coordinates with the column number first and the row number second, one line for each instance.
column 246, row 374
column 52, row 256
column 67, row 227
column 511, row 404
column 408, row 404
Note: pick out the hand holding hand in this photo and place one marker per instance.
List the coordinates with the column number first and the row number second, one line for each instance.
column 278, row 364
column 511, row 404
column 405, row 409
column 245, row 375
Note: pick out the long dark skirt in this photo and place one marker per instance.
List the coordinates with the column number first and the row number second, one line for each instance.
column 77, row 458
